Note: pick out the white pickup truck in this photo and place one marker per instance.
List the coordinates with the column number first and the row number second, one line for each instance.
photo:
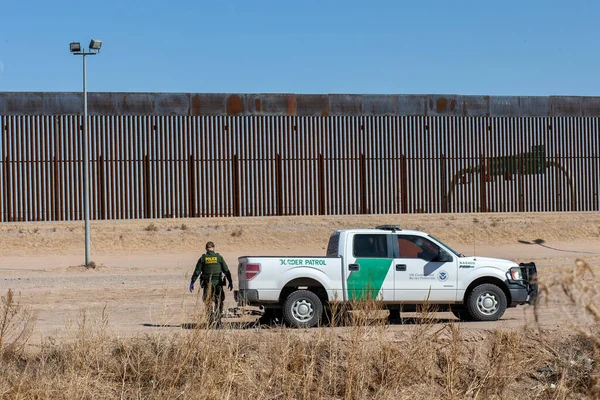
column 401, row 268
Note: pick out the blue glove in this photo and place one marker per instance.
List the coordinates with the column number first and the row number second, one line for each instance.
column 191, row 288
column 230, row 286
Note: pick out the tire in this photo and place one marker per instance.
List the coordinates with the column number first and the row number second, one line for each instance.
column 462, row 314
column 302, row 309
column 487, row 302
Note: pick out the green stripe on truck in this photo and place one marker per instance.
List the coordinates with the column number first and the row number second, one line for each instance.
column 366, row 283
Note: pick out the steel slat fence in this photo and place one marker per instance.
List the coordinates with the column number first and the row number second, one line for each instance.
column 205, row 166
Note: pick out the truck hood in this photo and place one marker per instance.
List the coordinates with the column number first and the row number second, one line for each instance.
column 478, row 262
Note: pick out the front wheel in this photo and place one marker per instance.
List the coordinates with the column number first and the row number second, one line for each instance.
column 487, row 302
column 302, row 309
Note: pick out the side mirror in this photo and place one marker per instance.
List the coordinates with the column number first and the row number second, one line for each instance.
column 445, row 256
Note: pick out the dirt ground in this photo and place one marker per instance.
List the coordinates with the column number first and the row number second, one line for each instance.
column 144, row 267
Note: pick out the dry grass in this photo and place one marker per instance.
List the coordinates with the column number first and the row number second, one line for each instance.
column 151, row 228
column 16, row 326
column 364, row 358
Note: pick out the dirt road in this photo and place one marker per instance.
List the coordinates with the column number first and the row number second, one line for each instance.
column 144, row 267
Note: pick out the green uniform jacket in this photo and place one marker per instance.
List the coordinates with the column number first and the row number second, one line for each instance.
column 209, row 268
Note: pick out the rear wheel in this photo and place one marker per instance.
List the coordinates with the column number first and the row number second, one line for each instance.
column 487, row 302
column 302, row 309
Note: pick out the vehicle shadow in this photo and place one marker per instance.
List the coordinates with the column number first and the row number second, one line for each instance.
column 223, row 325
column 422, row 321
column 161, row 325
column 274, row 324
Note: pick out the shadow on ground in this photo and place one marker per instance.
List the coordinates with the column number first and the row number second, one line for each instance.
column 540, row 242
column 225, row 325
column 276, row 323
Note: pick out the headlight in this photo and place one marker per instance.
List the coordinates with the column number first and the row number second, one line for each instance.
column 515, row 274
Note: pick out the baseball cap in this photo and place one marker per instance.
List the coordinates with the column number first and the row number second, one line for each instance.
column 210, row 244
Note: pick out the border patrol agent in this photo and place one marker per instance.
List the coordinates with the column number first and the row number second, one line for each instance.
column 210, row 267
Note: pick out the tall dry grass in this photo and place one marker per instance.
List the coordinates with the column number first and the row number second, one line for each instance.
column 357, row 356
column 16, row 325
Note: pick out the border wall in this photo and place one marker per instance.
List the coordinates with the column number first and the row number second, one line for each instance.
column 161, row 155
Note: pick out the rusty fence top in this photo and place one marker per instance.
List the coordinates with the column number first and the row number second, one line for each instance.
column 115, row 103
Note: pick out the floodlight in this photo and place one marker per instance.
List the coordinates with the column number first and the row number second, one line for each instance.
column 95, row 44
column 75, row 47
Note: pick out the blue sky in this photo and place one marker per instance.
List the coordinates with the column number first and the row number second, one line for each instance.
column 482, row 47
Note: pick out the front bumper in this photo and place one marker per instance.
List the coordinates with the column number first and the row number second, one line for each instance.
column 524, row 291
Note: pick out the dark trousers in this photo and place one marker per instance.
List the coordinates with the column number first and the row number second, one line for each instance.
column 213, row 297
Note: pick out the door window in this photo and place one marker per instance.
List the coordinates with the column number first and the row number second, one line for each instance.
column 370, row 245
column 410, row 246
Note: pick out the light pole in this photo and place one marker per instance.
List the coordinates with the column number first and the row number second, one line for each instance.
column 77, row 50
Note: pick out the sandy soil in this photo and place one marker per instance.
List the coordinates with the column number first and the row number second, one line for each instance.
column 144, row 267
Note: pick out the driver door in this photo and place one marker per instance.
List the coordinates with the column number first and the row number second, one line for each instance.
column 423, row 270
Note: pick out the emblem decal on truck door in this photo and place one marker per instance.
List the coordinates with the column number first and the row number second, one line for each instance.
column 442, row 276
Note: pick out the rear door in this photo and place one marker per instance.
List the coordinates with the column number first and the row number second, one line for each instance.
column 418, row 272
column 368, row 267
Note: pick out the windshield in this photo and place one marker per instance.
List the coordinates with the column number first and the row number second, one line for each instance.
column 457, row 254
